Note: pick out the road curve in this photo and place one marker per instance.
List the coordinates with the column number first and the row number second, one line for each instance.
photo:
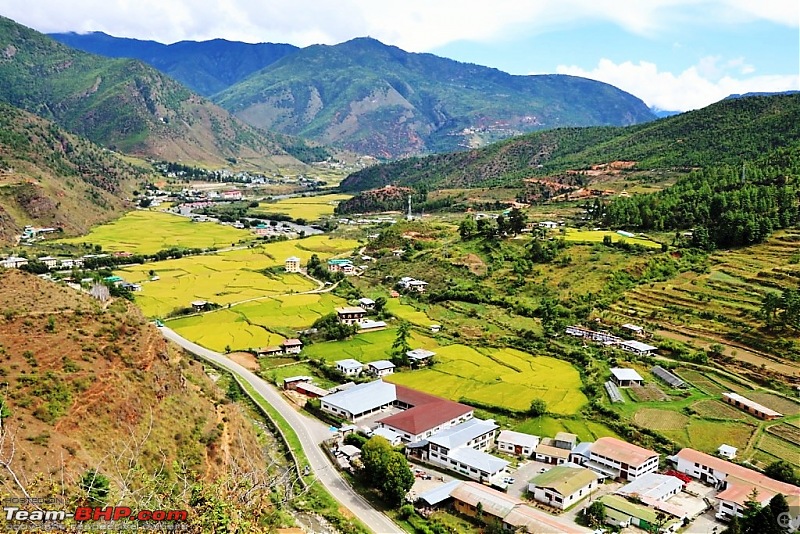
column 310, row 431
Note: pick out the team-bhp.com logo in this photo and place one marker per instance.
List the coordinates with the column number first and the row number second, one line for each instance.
column 46, row 515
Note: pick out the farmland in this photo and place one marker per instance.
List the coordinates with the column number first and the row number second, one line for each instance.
column 597, row 236
column 147, row 232
column 226, row 277
column 309, row 208
column 366, row 347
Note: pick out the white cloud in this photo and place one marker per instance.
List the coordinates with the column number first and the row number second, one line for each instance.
column 415, row 25
column 698, row 86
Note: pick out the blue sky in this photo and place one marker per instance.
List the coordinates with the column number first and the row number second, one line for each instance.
column 673, row 54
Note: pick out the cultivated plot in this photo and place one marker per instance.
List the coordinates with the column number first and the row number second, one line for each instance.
column 308, row 208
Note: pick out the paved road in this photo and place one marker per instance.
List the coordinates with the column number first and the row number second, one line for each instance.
column 310, row 431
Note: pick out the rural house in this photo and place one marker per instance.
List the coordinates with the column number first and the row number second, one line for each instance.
column 292, row 346
column 13, row 262
column 367, row 304
column 420, row 356
column 517, row 443
column 349, row 367
column 292, row 381
column 637, row 347
column 269, row 351
column 49, row 261
column 292, row 265
column 351, row 314
column 563, row 486
column 340, row 266
column 626, row 377
column 620, row 459
column 381, row 368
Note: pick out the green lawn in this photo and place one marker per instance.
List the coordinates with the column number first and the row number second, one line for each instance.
column 147, row 232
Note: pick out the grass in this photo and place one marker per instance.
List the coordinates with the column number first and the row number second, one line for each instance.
column 147, row 232
column 366, row 347
column 550, row 426
column 779, row 404
column 503, row 378
column 779, row 448
column 308, row 208
column 714, row 409
column 597, row 236
column 660, row 419
column 226, row 277
column 300, row 369
column 707, row 435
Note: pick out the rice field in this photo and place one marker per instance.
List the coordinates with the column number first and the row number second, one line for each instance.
column 505, row 378
column 408, row 313
column 147, row 232
column 366, row 347
column 308, row 208
column 705, row 435
column 597, row 236
column 550, row 426
column 779, row 448
column 714, row 409
column 226, row 277
column 660, row 419
column 779, row 404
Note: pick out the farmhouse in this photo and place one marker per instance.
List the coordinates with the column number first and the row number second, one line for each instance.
column 563, row 486
column 269, row 351
column 550, row 225
column 735, row 482
column 626, row 377
column 367, row 304
column 292, row 381
column 634, row 329
column 13, row 262
column 292, row 265
column 434, row 328
column 199, row 305
column 652, row 487
column 419, row 356
column 381, row 368
column 411, row 284
column 360, row 400
column 351, row 314
column 49, row 261
column 424, row 414
column 751, row 407
column 336, row 265
column 637, row 347
column 292, row 346
column 349, row 367
column 517, row 443
column 620, row 459
column 548, row 453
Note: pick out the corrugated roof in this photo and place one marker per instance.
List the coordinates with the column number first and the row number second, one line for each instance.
column 626, row 374
column 482, row 461
column 638, row 345
column 518, row 438
column 462, row 433
column 420, row 354
column 422, row 418
column 363, row 397
column 652, row 485
column 622, row 451
column 565, row 480
column 381, row 365
column 752, row 404
column 349, row 363
column 492, row 501
column 555, row 452
column 439, row 493
column 535, row 521
column 351, row 309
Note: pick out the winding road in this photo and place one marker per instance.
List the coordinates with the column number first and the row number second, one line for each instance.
column 310, row 432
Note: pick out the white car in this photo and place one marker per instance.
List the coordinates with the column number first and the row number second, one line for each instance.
column 509, row 480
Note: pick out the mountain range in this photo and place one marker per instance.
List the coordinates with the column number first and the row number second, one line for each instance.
column 123, row 104
column 731, row 132
column 375, row 99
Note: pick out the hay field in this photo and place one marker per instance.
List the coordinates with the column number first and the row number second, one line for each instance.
column 147, row 232
column 308, row 208
column 505, row 378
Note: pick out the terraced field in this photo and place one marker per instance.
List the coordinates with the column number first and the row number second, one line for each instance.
column 147, row 232
column 597, row 236
column 720, row 306
column 308, row 208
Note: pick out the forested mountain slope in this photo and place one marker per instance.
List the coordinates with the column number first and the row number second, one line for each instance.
column 728, row 132
column 121, row 104
column 380, row 100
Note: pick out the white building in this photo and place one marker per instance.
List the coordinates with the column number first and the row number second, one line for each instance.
column 292, row 346
column 626, row 377
column 49, row 261
column 381, row 368
column 562, row 486
column 637, row 347
column 727, row 451
column 349, row 367
column 620, row 459
column 13, row 262
column 360, row 400
column 292, row 265
column 367, row 304
column 351, row 315
column 517, row 443
column 420, row 355
column 652, row 487
column 389, row 435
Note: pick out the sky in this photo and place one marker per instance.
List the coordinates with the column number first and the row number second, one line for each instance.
column 674, row 54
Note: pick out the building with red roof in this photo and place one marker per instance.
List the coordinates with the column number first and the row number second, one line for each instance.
column 620, row 459
column 423, row 414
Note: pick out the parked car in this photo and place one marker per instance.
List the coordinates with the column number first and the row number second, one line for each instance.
column 509, row 480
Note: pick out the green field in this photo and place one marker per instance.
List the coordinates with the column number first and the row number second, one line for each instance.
column 256, row 324
column 226, row 277
column 147, row 232
column 505, row 378
column 597, row 236
column 366, row 347
column 308, row 208
column 550, row 426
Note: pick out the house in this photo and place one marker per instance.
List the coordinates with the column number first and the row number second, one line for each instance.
column 620, row 459
column 420, row 356
column 292, row 346
column 475, row 464
column 417, row 285
column 398, row 252
column 269, row 351
column 751, row 407
column 550, row 225
column 310, row 390
column 349, row 367
column 360, row 400
column 437, row 496
column 380, row 368
column 13, row 262
column 634, row 329
column 351, row 314
column 49, row 261
column 199, row 305
column 435, row 328
column 367, row 304
column 637, row 347
column 626, row 377
column 735, row 482
column 423, row 415
column 394, row 294
column 389, row 435
column 651, row 488
column 292, row 265
column 336, row 265
column 621, row 512
column 581, row 453
column 548, row 453
column 292, row 381
column 517, row 443
column 565, row 440
column 72, row 263
column 563, row 486
column 726, row 451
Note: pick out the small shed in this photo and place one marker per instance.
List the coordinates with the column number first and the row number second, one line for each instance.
column 199, row 305
column 624, row 377
column 727, row 451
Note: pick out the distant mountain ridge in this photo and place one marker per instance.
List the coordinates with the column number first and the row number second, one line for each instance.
column 380, row 100
column 728, row 132
column 206, row 67
column 123, row 104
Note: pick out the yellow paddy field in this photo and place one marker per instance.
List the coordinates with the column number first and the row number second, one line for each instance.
column 147, row 232
column 309, row 208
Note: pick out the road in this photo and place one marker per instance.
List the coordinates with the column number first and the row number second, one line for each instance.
column 310, row 431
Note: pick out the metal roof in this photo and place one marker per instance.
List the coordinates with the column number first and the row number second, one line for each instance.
column 420, row 354
column 439, row 493
column 652, row 485
column 349, row 363
column 462, row 433
column 390, row 435
column 518, row 438
column 565, row 480
column 638, row 345
column 752, row 404
column 626, row 374
column 480, row 460
column 667, row 377
column 381, row 365
column 363, row 397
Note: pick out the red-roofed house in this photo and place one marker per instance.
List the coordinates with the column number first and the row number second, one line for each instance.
column 620, row 459
column 423, row 414
column 735, row 481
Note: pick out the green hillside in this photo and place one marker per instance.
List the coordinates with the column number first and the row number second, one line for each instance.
column 383, row 101
column 122, row 104
column 728, row 132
